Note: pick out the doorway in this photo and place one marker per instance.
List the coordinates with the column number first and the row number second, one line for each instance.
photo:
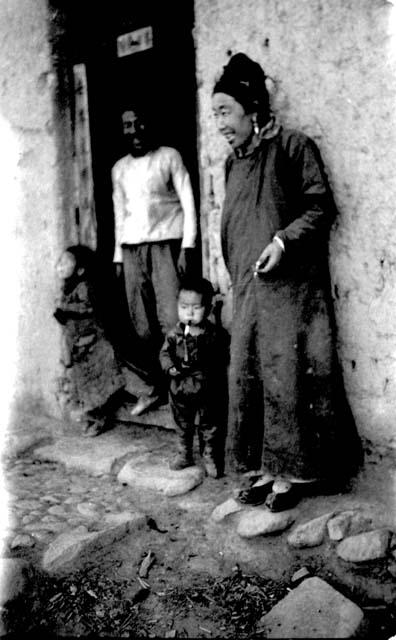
column 161, row 72
column 163, row 75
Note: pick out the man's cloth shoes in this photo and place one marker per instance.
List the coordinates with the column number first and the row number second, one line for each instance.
column 254, row 495
column 144, row 402
column 94, row 427
column 287, row 494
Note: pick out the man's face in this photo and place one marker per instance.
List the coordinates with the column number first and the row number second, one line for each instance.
column 231, row 119
column 134, row 133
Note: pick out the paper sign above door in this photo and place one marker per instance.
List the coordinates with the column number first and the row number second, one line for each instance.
column 135, row 41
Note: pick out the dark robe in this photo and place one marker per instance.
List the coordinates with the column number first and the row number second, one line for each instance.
column 92, row 373
column 287, row 408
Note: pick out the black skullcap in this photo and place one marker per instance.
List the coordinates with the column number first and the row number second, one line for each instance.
column 244, row 80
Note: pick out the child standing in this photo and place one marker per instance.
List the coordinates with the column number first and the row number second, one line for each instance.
column 92, row 384
column 194, row 357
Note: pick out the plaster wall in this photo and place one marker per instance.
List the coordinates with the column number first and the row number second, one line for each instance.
column 35, row 183
column 333, row 75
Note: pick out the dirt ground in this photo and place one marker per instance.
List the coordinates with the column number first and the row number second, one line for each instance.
column 205, row 581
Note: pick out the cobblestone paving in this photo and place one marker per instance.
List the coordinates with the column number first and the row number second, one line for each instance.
column 44, row 500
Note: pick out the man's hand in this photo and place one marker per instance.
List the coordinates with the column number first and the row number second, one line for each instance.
column 269, row 258
column 184, row 262
column 119, row 269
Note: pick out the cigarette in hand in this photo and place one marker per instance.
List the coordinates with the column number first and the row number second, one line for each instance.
column 256, row 267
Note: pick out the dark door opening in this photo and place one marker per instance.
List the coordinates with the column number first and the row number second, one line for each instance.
column 163, row 74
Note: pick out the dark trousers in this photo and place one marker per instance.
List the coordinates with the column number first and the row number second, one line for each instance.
column 151, row 285
column 193, row 406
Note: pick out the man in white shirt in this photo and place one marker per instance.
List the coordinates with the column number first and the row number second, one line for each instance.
column 155, row 233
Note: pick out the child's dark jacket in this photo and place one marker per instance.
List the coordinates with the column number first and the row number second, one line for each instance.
column 200, row 360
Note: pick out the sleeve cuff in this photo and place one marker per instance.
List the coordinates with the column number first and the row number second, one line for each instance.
column 280, row 242
column 117, row 254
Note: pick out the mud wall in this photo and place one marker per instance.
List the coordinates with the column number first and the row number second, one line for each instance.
column 333, row 75
column 36, row 210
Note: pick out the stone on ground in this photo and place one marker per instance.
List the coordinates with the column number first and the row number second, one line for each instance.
column 88, row 509
column 28, row 504
column 350, row 523
column 313, row 610
column 158, row 477
column 22, row 541
column 95, row 456
column 370, row 545
column 309, row 534
column 57, row 510
column 225, row 509
column 134, row 520
column 361, row 521
column 338, row 526
column 50, row 499
column 258, row 522
column 15, row 574
column 75, row 548
column 299, row 575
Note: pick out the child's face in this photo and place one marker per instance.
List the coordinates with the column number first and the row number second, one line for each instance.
column 190, row 308
column 66, row 266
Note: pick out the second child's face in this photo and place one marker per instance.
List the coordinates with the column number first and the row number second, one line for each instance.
column 190, row 308
column 66, row 266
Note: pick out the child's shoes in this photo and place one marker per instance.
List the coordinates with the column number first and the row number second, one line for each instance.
column 182, row 461
column 210, row 464
column 184, row 457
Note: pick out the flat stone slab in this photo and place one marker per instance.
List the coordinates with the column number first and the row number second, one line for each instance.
column 370, row 545
column 309, row 534
column 158, row 477
column 77, row 547
column 259, row 522
column 313, row 610
column 95, row 456
column 225, row 509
